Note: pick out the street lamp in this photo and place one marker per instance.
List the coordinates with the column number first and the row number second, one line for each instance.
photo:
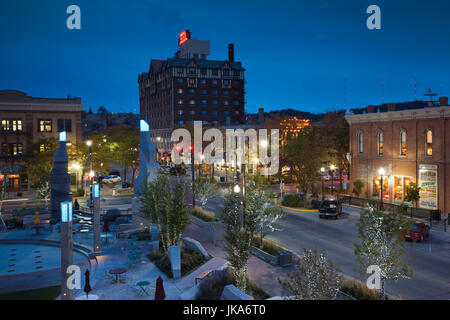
column 332, row 168
column 322, row 170
column 89, row 144
column 381, row 172
column 236, row 188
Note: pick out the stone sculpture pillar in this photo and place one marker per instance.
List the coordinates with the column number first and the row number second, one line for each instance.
column 59, row 179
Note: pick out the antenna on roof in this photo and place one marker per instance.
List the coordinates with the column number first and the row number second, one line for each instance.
column 429, row 93
column 415, row 87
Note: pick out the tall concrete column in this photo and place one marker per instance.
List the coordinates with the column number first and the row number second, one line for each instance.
column 59, row 179
column 66, row 248
column 96, row 215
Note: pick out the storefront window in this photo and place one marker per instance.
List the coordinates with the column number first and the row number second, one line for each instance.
column 376, row 187
column 400, row 184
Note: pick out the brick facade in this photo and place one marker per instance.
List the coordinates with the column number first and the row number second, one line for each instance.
column 403, row 164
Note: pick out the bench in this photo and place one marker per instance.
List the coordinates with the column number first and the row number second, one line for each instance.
column 203, row 275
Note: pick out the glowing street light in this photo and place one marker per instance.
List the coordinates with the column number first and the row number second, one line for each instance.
column 91, row 174
column 332, row 168
column 237, row 189
column 322, row 170
column 89, row 143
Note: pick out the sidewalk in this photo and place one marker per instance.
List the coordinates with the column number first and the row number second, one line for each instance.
column 260, row 272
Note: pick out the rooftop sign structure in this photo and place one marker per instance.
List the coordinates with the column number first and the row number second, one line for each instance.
column 183, row 37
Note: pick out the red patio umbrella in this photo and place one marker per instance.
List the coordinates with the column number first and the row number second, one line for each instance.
column 159, row 292
column 87, row 284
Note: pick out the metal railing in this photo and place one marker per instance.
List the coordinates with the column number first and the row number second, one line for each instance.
column 431, row 215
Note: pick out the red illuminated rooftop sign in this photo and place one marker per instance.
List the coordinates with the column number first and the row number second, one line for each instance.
column 183, row 37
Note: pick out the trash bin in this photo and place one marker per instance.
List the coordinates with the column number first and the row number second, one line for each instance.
column 285, row 258
column 222, row 179
column 124, row 185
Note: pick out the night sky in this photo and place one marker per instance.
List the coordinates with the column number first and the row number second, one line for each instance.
column 297, row 53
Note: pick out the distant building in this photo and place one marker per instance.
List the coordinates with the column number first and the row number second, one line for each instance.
column 187, row 87
column 411, row 142
column 24, row 121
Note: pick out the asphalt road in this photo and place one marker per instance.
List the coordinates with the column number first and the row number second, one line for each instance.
column 430, row 259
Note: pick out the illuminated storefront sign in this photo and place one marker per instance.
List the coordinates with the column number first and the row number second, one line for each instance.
column 429, row 186
column 183, row 37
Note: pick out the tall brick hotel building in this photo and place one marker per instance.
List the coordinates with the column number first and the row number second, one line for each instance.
column 187, row 87
column 411, row 142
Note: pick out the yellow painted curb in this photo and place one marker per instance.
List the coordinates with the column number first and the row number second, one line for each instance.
column 296, row 209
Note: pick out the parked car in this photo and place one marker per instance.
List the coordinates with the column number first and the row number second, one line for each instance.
column 418, row 231
column 329, row 209
column 100, row 177
column 111, row 179
column 114, row 173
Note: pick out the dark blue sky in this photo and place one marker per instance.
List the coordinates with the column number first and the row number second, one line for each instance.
column 297, row 53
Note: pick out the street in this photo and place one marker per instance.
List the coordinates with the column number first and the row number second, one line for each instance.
column 430, row 260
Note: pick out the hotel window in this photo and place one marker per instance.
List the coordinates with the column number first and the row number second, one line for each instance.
column 192, row 82
column 4, row 149
column 44, row 147
column 226, row 103
column 236, row 102
column 204, row 113
column 236, row 73
column 180, row 71
column 180, row 101
column 380, row 143
column 226, row 92
column 179, row 91
column 203, row 92
column 65, row 125
column 192, row 112
column 215, row 72
column 226, row 72
column 429, row 142
column 180, row 80
column 181, row 122
column 192, row 71
column 12, row 125
column 360, row 142
column 45, row 125
column 16, row 149
column 180, row 112
column 403, row 142
column 192, row 92
column 215, row 102
column 215, row 92
column 203, row 71
column 236, row 92
column 214, row 82
column 215, row 113
column 203, row 102
column 226, row 113
column 203, row 81
column 192, row 102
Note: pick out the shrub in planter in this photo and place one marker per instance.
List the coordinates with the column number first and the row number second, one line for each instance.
column 292, row 200
column 15, row 223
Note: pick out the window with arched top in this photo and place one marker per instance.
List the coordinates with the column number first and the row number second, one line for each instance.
column 403, row 142
column 360, row 142
column 429, row 142
column 380, row 143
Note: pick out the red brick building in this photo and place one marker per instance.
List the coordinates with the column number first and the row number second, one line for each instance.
column 411, row 142
column 177, row 91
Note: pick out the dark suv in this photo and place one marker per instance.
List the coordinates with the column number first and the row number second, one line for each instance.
column 329, row 209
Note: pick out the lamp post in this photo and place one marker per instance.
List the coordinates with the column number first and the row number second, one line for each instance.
column 381, row 172
column 66, row 248
column 89, row 144
column 322, row 170
column 332, row 168
column 191, row 148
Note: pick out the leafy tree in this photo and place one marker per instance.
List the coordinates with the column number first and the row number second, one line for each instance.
column 303, row 154
column 101, row 110
column 381, row 245
column 204, row 189
column 123, row 142
column 40, row 162
column 260, row 214
column 358, row 185
column 90, row 110
column 237, row 239
column 412, row 193
column 315, row 278
column 163, row 205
